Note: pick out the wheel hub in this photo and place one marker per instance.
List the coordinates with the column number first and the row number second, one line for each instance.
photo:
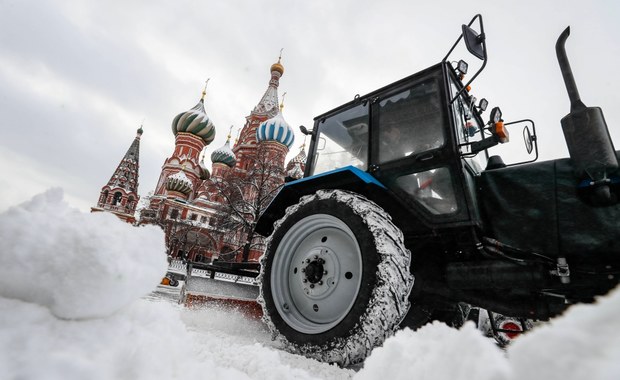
column 314, row 271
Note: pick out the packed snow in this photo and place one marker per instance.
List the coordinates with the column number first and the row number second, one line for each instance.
column 75, row 304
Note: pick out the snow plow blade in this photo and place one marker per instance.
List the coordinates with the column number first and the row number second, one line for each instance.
column 231, row 287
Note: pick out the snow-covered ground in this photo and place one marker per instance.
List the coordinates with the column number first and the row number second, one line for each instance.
column 74, row 305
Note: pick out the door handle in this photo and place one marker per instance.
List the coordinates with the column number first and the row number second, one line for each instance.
column 425, row 157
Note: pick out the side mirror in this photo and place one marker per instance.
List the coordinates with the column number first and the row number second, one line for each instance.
column 305, row 131
column 482, row 106
column 474, row 42
column 528, row 138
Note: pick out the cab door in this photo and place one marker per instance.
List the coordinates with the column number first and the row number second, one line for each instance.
column 413, row 149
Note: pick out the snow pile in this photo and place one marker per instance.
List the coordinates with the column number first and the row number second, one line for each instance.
column 436, row 351
column 146, row 340
column 78, row 265
column 70, row 288
column 583, row 344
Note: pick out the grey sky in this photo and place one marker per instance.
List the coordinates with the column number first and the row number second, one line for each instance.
column 77, row 78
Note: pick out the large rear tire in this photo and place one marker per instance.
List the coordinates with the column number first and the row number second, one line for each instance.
column 335, row 277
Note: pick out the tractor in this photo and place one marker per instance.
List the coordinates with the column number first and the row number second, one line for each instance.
column 404, row 217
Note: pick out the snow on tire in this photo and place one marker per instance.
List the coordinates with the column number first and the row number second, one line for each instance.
column 335, row 277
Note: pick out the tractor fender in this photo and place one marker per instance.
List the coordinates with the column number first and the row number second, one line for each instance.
column 346, row 178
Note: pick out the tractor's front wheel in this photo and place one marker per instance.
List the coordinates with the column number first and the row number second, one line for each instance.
column 335, row 277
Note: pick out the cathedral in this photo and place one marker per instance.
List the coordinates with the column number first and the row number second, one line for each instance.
column 209, row 215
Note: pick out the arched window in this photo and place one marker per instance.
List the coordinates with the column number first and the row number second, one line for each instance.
column 104, row 198
column 130, row 201
column 117, row 198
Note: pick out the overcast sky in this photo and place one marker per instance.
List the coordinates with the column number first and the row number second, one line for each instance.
column 77, row 78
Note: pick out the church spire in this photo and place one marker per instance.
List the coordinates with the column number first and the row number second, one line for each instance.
column 120, row 194
column 268, row 105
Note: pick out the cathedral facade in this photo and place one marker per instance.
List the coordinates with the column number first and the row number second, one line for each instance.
column 209, row 215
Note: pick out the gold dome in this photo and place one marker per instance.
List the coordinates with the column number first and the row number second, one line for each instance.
column 277, row 67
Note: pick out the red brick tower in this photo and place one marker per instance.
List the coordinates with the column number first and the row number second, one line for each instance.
column 193, row 130
column 120, row 195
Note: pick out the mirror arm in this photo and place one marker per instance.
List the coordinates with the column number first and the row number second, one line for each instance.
column 484, row 62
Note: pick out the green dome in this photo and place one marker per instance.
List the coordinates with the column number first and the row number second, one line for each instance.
column 196, row 122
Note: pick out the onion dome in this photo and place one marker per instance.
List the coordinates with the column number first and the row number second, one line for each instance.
column 277, row 67
column 300, row 158
column 276, row 129
column 195, row 121
column 224, row 155
column 179, row 182
column 296, row 166
column 295, row 172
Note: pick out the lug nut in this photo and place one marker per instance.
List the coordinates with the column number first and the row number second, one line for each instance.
column 305, row 280
column 320, row 282
column 324, row 272
column 311, row 286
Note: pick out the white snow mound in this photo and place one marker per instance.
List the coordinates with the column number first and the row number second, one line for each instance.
column 436, row 351
column 582, row 344
column 79, row 265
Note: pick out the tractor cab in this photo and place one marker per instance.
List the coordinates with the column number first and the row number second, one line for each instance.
column 419, row 137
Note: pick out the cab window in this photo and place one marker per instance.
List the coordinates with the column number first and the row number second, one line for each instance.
column 410, row 122
column 433, row 189
column 343, row 141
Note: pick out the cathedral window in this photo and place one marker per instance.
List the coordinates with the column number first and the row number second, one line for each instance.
column 174, row 214
column 117, row 198
column 104, row 198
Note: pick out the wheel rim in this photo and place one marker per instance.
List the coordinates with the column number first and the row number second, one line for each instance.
column 316, row 274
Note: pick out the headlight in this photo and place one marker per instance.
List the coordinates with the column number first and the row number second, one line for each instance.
column 483, row 105
column 496, row 115
column 462, row 67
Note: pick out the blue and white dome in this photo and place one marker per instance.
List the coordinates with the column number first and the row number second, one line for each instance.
column 276, row 129
column 224, row 155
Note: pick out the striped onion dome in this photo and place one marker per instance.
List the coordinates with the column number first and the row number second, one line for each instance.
column 224, row 155
column 296, row 166
column 196, row 122
column 179, row 182
column 300, row 158
column 276, row 129
column 295, row 172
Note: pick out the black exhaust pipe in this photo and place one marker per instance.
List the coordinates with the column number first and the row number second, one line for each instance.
column 587, row 137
